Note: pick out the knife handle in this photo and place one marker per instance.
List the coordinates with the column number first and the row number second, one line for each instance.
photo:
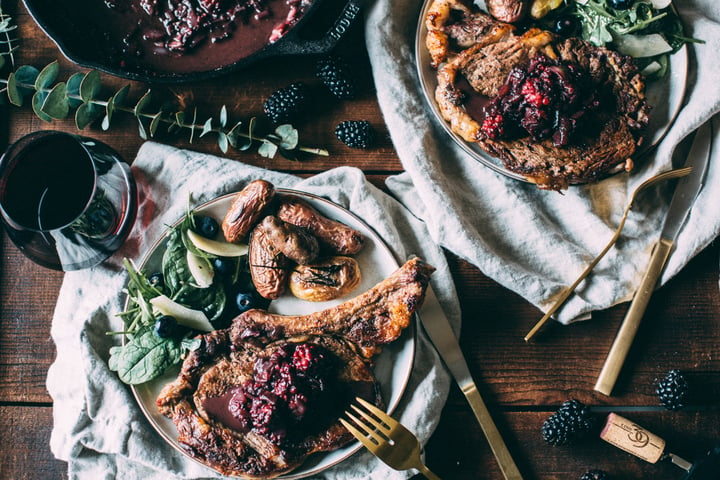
column 631, row 323
column 495, row 440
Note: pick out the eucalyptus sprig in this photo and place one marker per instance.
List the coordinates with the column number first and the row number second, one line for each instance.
column 8, row 42
column 53, row 100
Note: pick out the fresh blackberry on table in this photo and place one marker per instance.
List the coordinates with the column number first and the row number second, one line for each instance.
column 570, row 423
column 595, row 474
column 287, row 104
column 673, row 390
column 336, row 76
column 356, row 133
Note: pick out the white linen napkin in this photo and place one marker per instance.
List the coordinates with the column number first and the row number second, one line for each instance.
column 98, row 427
column 536, row 242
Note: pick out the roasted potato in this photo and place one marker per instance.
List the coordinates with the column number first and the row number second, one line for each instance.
column 334, row 237
column 294, row 242
column 327, row 279
column 268, row 266
column 246, row 209
column 510, row 11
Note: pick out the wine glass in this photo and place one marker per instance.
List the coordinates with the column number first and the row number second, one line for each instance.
column 67, row 202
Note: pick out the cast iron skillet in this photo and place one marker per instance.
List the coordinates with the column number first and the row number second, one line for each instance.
column 88, row 42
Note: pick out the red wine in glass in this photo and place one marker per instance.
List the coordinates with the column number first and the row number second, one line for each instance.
column 68, row 202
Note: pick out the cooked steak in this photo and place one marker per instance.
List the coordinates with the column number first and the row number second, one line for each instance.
column 558, row 112
column 257, row 399
column 370, row 320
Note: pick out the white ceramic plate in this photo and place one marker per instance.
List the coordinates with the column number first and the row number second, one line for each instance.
column 392, row 367
column 664, row 95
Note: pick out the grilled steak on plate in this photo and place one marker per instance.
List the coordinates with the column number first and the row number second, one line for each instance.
column 558, row 112
column 256, row 399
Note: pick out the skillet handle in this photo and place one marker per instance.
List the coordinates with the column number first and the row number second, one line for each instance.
column 292, row 44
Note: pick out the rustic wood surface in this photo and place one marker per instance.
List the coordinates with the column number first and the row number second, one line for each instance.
column 523, row 384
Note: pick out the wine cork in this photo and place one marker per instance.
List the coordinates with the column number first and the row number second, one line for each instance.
column 634, row 439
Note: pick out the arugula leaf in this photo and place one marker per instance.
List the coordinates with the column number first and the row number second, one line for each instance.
column 606, row 26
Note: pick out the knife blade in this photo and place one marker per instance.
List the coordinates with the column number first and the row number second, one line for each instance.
column 686, row 192
column 438, row 329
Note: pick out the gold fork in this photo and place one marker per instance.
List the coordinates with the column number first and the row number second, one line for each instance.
column 386, row 438
column 677, row 173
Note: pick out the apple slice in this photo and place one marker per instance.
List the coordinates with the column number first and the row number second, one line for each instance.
column 188, row 317
column 201, row 269
column 221, row 249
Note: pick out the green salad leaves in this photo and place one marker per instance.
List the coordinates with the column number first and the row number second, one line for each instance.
column 648, row 30
column 145, row 354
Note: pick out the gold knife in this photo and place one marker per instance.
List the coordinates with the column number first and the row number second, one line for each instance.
column 438, row 328
column 686, row 191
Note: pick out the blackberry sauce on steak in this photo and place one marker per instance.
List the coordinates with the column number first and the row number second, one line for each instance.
column 256, row 399
column 558, row 112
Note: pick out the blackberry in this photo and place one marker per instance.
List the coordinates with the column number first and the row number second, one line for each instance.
column 356, row 133
column 595, row 474
column 287, row 104
column 673, row 390
column 570, row 423
column 336, row 76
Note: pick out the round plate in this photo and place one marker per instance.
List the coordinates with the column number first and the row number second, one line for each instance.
column 664, row 95
column 392, row 367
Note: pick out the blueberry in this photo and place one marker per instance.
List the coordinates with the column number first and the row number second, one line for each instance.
column 224, row 266
column 207, row 226
column 248, row 300
column 166, row 327
column 620, row 4
column 566, row 26
column 157, row 280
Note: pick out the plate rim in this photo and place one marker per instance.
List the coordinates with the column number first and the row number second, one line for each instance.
column 410, row 333
column 495, row 164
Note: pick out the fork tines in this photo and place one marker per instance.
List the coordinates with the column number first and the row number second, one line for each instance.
column 374, row 426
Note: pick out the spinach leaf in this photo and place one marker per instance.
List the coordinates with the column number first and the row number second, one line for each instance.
column 174, row 262
column 144, row 357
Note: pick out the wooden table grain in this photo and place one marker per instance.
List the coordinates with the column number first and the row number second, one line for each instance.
column 522, row 383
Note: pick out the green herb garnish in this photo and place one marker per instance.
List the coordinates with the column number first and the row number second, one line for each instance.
column 647, row 33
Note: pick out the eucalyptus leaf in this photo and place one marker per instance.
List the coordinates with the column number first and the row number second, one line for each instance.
column 267, row 149
column 47, row 76
column 155, row 123
column 207, row 127
column 86, row 114
column 192, row 125
column 141, row 130
column 13, row 92
column 26, row 75
column 288, row 136
column 116, row 100
column 142, row 104
column 56, row 104
column 73, row 89
column 238, row 139
column 173, row 127
column 223, row 142
column 90, row 86
column 37, row 101
column 223, row 116
column 23, row 81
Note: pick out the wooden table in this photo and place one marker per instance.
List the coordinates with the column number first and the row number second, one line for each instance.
column 523, row 384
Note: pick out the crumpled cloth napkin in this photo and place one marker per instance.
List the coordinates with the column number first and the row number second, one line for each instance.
column 98, row 427
column 536, row 243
